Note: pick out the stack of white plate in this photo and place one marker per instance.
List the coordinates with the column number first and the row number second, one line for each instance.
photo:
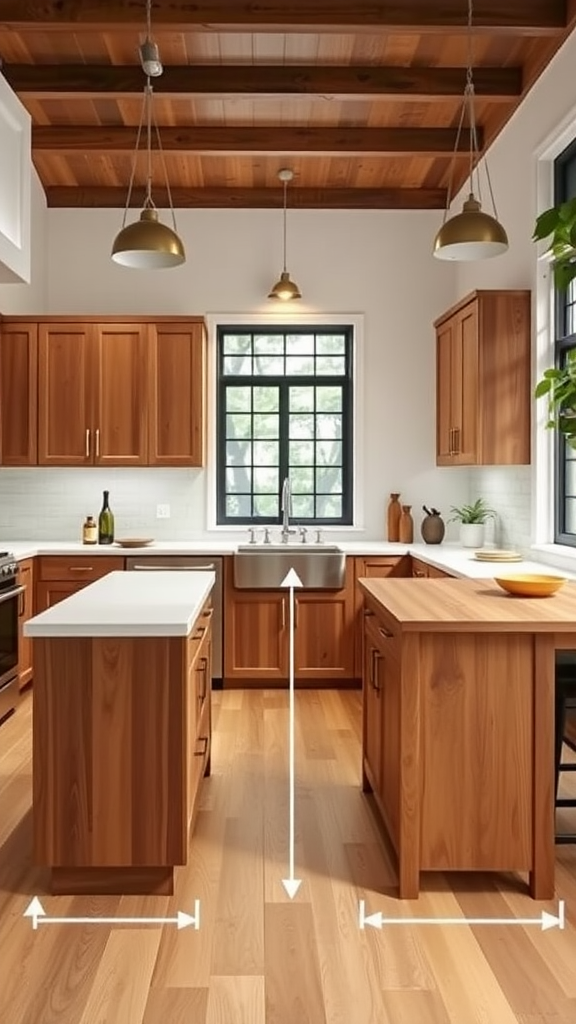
column 497, row 555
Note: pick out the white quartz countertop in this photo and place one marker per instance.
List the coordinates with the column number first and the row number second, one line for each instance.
column 448, row 556
column 128, row 604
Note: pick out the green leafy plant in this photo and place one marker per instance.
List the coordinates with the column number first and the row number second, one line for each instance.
column 479, row 512
column 558, row 224
column 559, row 385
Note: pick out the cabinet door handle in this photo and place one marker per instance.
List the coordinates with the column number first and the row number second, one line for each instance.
column 81, row 568
column 203, row 670
column 384, row 632
column 283, row 613
column 295, row 612
column 97, row 443
column 87, row 449
column 377, row 657
column 451, row 442
column 21, row 603
column 204, row 740
column 419, row 573
column 456, row 440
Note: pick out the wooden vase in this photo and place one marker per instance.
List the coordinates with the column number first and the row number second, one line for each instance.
column 393, row 517
column 406, row 525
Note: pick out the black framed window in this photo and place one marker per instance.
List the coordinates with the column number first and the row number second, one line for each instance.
column 284, row 409
column 565, row 340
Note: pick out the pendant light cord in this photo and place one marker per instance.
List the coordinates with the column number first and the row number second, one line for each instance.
column 474, row 149
column 285, row 183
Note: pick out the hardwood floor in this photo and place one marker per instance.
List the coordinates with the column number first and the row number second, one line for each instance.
column 259, row 958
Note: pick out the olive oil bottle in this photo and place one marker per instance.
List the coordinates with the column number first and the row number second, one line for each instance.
column 106, row 522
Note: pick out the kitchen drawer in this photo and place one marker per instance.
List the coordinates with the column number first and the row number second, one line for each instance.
column 383, row 633
column 77, row 568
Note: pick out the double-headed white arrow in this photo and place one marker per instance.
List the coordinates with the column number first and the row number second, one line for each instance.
column 545, row 921
column 36, row 911
column 291, row 884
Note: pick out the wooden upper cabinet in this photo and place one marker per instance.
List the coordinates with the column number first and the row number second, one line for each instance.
column 18, row 394
column 483, row 381
column 119, row 395
column 65, row 356
column 176, row 397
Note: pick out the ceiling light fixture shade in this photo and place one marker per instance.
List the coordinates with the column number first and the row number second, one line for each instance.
column 285, row 290
column 148, row 50
column 472, row 234
column 148, row 244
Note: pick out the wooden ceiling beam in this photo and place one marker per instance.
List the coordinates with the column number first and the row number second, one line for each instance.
column 66, row 140
column 82, row 81
column 253, row 198
column 532, row 17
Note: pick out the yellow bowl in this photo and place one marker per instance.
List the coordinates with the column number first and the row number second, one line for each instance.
column 532, row 585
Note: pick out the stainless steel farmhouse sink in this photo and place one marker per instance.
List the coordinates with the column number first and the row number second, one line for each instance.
column 319, row 567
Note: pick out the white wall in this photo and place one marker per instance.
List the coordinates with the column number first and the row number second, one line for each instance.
column 377, row 264
column 513, row 162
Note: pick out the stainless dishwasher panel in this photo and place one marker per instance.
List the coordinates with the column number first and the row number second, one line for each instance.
column 182, row 563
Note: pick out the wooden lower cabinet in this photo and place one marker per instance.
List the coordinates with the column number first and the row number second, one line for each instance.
column 422, row 570
column 381, row 720
column 25, row 612
column 121, row 742
column 60, row 576
column 370, row 566
column 198, row 709
column 257, row 635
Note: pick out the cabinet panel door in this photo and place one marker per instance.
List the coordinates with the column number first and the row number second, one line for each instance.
column 256, row 646
column 444, row 423
column 18, row 394
column 387, row 671
column 120, row 395
column 48, row 594
column 65, row 437
column 25, row 612
column 176, row 398
column 373, row 566
column 371, row 722
column 324, row 636
column 465, row 386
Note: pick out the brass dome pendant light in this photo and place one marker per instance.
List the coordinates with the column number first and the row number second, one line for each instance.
column 472, row 234
column 285, row 289
column 148, row 244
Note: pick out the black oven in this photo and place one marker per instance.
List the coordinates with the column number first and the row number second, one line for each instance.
column 10, row 593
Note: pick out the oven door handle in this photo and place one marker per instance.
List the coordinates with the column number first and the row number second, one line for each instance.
column 11, row 593
column 174, row 568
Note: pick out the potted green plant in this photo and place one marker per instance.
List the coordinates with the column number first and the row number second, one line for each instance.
column 558, row 384
column 472, row 519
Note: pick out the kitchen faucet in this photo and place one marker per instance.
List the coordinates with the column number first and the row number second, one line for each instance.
column 286, row 508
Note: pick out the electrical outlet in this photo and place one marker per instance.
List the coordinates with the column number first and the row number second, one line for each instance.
column 162, row 511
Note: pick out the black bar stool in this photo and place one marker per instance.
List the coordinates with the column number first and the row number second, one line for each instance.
column 565, row 700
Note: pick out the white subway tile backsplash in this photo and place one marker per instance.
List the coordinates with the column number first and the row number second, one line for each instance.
column 507, row 489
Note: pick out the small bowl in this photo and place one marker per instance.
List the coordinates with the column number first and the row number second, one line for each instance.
column 531, row 585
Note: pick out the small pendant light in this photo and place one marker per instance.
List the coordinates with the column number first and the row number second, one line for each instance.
column 148, row 244
column 471, row 234
column 285, row 289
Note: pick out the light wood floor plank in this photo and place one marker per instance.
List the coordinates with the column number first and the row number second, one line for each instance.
column 293, row 986
column 122, row 981
column 176, row 1006
column 236, row 1000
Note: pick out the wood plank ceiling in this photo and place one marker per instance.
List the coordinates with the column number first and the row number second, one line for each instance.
column 360, row 99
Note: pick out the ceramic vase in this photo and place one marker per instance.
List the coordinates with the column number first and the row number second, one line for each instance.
column 406, row 525
column 393, row 517
column 432, row 529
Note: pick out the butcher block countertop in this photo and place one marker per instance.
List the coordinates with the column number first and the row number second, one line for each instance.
column 431, row 605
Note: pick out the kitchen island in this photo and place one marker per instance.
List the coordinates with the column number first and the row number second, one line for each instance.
column 121, row 730
column 458, row 729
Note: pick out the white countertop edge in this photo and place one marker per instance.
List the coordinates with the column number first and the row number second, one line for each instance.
column 123, row 604
column 450, row 557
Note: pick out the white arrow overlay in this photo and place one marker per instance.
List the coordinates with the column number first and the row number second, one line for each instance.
column 36, row 911
column 291, row 884
column 545, row 921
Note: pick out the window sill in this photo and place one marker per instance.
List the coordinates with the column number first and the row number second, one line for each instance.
column 560, row 555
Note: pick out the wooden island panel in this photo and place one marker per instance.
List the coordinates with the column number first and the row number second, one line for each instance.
column 464, row 676
column 117, row 759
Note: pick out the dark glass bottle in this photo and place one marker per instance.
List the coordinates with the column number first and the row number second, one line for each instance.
column 105, row 522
